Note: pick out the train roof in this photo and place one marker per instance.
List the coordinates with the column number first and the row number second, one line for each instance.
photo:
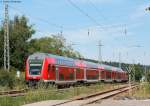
column 37, row 56
column 61, row 60
column 108, row 67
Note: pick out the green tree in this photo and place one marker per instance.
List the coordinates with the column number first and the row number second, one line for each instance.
column 20, row 33
column 53, row 44
column 138, row 72
column 148, row 76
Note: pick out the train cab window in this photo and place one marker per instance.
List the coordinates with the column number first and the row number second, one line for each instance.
column 35, row 69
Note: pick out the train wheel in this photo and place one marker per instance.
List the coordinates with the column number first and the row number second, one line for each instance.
column 32, row 84
column 59, row 86
column 43, row 85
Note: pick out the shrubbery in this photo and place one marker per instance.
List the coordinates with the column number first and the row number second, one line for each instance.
column 7, row 78
column 148, row 76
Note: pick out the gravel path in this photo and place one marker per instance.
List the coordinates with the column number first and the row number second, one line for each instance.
column 45, row 103
column 108, row 102
column 122, row 103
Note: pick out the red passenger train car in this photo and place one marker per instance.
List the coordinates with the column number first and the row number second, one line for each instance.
column 61, row 70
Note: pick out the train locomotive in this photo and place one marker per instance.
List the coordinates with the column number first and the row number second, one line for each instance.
column 59, row 70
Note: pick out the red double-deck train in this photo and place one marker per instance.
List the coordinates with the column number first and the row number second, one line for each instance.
column 61, row 70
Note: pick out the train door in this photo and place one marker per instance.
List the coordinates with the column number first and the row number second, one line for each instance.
column 66, row 73
column 62, row 71
column 108, row 75
column 51, row 72
column 93, row 74
column 112, row 75
column 99, row 74
column 79, row 74
column 102, row 74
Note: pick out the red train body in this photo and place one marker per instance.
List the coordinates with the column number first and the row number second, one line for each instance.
column 62, row 70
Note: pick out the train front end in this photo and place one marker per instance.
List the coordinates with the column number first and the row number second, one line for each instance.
column 34, row 66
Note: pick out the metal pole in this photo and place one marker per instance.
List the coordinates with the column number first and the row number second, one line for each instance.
column 61, row 31
column 130, row 90
column 145, row 69
column 119, row 60
column 100, row 54
column 6, row 37
column 145, row 73
column 100, row 57
column 133, row 71
column 129, row 73
column 6, row 34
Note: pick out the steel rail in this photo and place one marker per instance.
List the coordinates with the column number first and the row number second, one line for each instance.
column 13, row 93
column 87, row 98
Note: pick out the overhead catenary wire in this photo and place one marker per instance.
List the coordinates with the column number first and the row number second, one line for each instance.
column 84, row 13
column 97, row 9
column 60, row 27
column 105, row 18
column 102, row 27
column 38, row 18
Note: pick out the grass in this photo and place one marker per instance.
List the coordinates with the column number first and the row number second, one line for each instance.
column 143, row 92
column 53, row 94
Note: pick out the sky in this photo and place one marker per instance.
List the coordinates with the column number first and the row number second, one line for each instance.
column 123, row 26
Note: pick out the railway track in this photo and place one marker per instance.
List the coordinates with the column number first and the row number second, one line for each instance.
column 81, row 101
column 22, row 92
column 13, row 93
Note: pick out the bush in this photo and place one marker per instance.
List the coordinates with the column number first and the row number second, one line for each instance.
column 7, row 78
column 148, row 76
column 21, row 82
